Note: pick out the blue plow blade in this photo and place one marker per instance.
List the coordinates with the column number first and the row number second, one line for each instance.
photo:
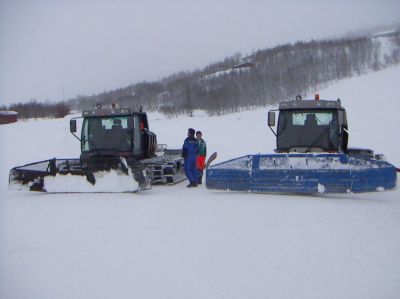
column 302, row 173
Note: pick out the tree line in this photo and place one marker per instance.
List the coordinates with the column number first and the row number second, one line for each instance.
column 35, row 109
column 264, row 77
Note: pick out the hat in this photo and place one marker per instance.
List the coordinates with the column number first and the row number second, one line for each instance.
column 191, row 131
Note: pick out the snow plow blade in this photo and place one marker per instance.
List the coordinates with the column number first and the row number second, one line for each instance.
column 75, row 175
column 302, row 173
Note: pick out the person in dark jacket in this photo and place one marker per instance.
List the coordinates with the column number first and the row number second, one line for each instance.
column 190, row 149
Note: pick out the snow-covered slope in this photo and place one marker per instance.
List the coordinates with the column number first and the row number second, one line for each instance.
column 175, row 242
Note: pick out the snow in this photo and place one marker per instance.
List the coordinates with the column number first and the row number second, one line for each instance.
column 2, row 112
column 112, row 181
column 386, row 46
column 328, row 161
column 226, row 72
column 321, row 188
column 175, row 242
column 385, row 33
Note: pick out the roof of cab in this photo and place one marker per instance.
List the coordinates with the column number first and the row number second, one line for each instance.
column 310, row 104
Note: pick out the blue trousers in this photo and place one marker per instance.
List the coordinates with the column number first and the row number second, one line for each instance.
column 191, row 171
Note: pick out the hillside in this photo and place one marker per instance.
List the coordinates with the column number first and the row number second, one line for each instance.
column 264, row 77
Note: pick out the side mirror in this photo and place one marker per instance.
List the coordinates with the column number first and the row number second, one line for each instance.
column 271, row 118
column 72, row 125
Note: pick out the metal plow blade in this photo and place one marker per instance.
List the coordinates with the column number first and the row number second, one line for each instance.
column 302, row 173
column 73, row 175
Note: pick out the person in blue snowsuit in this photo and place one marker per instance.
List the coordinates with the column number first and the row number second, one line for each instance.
column 190, row 149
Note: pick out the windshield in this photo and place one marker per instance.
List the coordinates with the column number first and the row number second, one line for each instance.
column 106, row 133
column 308, row 129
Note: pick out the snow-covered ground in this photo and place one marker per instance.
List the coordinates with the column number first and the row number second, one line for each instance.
column 175, row 242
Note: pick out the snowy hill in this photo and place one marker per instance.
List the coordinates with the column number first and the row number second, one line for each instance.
column 175, row 242
column 264, row 77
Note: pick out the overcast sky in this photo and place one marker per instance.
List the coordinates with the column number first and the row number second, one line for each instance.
column 55, row 48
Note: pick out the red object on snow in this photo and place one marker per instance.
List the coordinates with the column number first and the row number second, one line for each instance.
column 7, row 117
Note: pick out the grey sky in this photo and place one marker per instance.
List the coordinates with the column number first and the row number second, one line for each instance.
column 85, row 47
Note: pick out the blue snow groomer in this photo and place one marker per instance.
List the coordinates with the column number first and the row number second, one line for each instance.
column 311, row 156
